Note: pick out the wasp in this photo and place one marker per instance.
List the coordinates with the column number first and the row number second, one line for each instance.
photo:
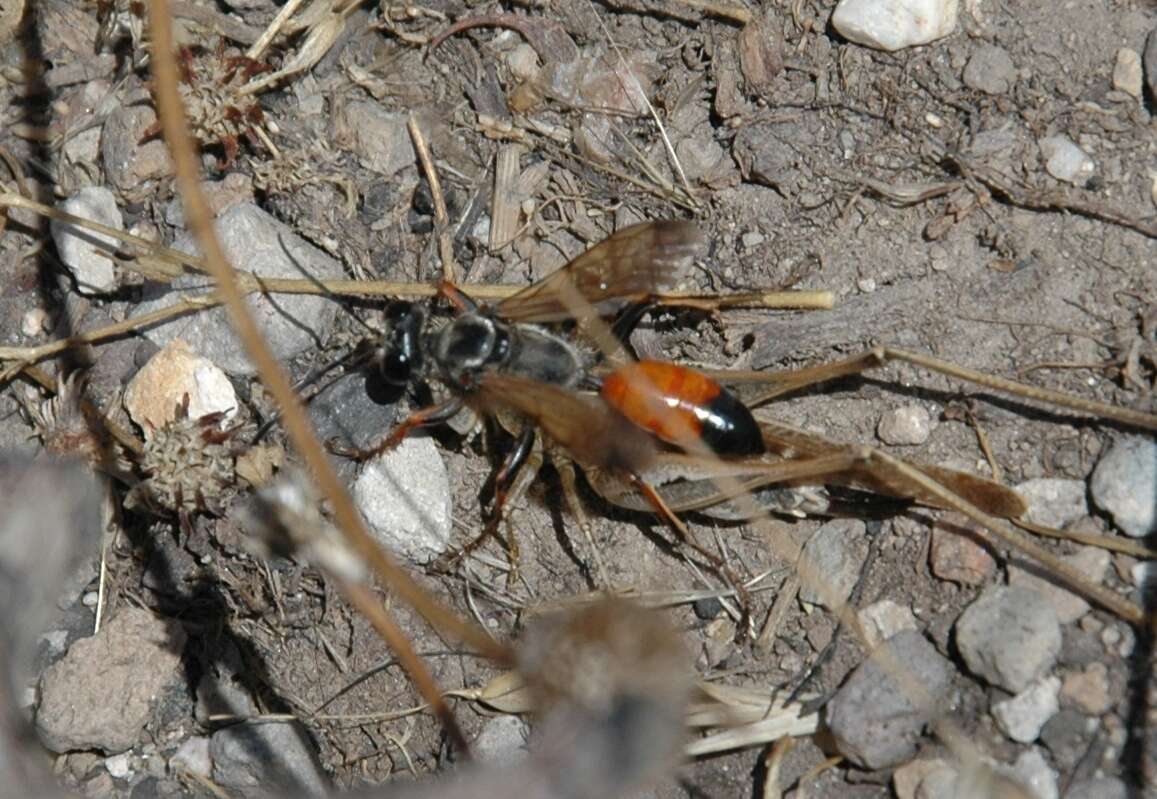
column 516, row 339
column 657, row 436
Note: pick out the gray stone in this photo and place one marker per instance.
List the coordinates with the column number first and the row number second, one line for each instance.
column 1032, row 771
column 1092, row 562
column 404, row 496
column 1127, row 72
column 255, row 241
column 100, row 695
column 955, row 556
column 1097, row 788
column 119, row 766
column 86, row 253
column 1124, row 484
column 1009, row 636
column 1065, row 161
column 990, row 70
column 1021, row 717
column 133, row 166
column 345, row 412
column 907, row 778
column 833, row 557
column 883, row 620
column 1067, row 736
column 907, row 426
column 378, row 137
column 877, row 715
column 1054, row 502
column 265, row 759
column 700, row 156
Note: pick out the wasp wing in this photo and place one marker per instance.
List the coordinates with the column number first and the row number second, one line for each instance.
column 582, row 424
column 629, row 266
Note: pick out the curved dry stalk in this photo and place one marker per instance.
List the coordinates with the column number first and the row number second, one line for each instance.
column 297, row 425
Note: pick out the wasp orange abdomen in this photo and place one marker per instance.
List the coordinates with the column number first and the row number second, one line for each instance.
column 681, row 405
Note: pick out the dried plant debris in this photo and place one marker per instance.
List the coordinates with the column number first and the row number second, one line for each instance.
column 222, row 112
column 189, row 465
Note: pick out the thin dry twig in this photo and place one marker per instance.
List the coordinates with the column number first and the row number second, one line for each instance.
column 441, row 215
column 297, row 425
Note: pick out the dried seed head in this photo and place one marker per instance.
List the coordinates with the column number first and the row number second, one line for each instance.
column 190, row 465
column 218, row 111
column 62, row 425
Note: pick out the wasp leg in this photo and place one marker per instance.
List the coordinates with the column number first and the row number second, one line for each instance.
column 568, row 477
column 457, row 298
column 420, row 418
column 515, row 475
column 796, row 379
column 655, row 499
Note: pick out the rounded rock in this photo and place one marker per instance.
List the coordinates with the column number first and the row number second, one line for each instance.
column 884, row 619
column 265, row 759
column 86, row 253
column 256, row 241
column 1054, row 502
column 835, row 552
column 1127, row 72
column 1065, row 161
column 173, row 373
column 1009, row 636
column 133, row 658
column 1091, row 562
column 876, row 717
column 894, row 24
column 404, row 495
column 990, row 70
column 907, row 426
column 1021, row 717
column 1124, row 485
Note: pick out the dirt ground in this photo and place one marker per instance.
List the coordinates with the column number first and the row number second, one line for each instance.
column 893, row 180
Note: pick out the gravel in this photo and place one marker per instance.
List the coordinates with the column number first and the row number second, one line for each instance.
column 404, row 495
column 256, row 241
column 1009, row 636
column 1124, row 484
column 874, row 717
column 101, row 694
column 87, row 254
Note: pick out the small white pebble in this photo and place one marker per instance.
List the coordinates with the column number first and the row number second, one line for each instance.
column 907, row 426
column 119, row 766
column 34, row 322
column 1127, row 72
